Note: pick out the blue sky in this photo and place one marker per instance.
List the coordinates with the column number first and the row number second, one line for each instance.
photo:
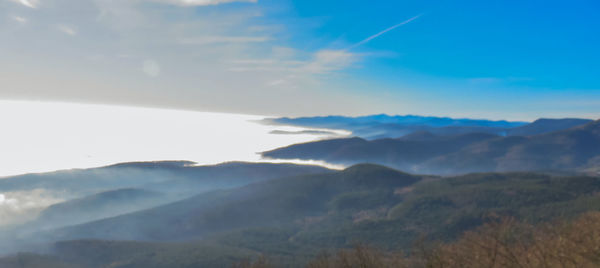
column 495, row 52
column 537, row 43
column 494, row 59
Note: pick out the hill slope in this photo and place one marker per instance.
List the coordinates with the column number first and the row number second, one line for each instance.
column 98, row 206
column 569, row 150
column 159, row 176
column 292, row 219
column 272, row 203
column 403, row 153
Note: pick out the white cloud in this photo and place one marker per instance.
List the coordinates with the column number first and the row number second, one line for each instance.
column 35, row 3
column 484, row 80
column 327, row 60
column 201, row 2
column 206, row 40
column 151, row 68
column 68, row 30
column 496, row 80
column 277, row 82
column 287, row 68
column 19, row 19
column 320, row 62
column 27, row 3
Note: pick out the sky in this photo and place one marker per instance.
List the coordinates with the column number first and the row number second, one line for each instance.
column 516, row 60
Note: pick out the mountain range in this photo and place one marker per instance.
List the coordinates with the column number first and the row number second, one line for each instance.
column 292, row 219
column 98, row 206
column 179, row 214
column 178, row 177
column 573, row 149
column 386, row 126
column 97, row 193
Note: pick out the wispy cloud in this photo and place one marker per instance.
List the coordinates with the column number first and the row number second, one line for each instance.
column 68, row 30
column 498, row 80
column 151, row 68
column 201, row 2
column 325, row 61
column 206, row 40
column 19, row 19
column 27, row 3
column 370, row 38
column 35, row 3
column 484, row 80
column 177, row 56
column 297, row 70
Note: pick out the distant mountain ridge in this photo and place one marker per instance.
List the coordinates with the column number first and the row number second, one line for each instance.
column 576, row 148
column 395, row 119
column 545, row 125
column 387, row 126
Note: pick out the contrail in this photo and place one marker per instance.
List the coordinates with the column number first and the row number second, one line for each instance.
column 384, row 31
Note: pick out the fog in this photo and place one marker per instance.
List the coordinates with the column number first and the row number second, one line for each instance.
column 34, row 206
column 20, row 206
column 54, row 136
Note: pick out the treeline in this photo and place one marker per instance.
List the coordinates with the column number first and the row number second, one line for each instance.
column 501, row 242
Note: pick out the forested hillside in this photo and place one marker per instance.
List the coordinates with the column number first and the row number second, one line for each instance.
column 292, row 220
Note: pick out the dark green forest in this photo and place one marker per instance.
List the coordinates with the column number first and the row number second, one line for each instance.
column 293, row 220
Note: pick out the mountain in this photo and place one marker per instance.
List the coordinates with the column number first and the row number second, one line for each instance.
column 271, row 203
column 98, row 206
column 292, row 219
column 543, row 125
column 404, row 153
column 92, row 194
column 381, row 131
column 29, row 260
column 232, row 174
column 419, row 136
column 163, row 176
column 386, row 126
column 338, row 121
column 131, row 254
column 574, row 149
